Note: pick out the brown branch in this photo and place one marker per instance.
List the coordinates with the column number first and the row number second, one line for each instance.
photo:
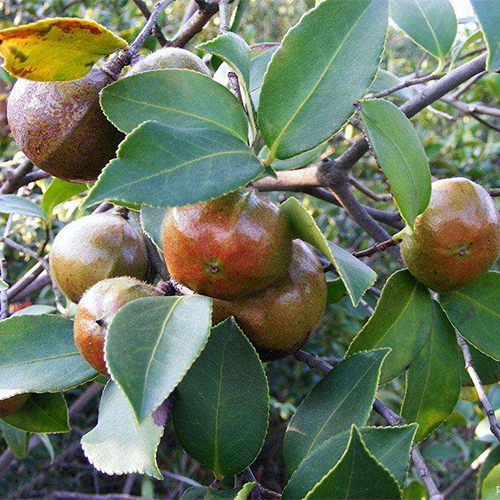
column 471, row 108
column 365, row 190
column 494, row 192
column 157, row 32
column 378, row 247
column 405, row 84
column 14, row 178
column 29, row 288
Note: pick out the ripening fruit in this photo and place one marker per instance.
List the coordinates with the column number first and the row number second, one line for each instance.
column 61, row 128
column 279, row 319
column 169, row 58
column 227, row 247
column 95, row 311
column 94, row 248
column 11, row 405
column 456, row 239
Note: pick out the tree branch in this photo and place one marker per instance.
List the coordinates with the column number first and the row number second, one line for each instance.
column 14, row 179
column 406, row 84
column 157, row 32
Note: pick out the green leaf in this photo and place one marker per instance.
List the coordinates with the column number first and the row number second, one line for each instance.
column 335, row 291
column 431, row 392
column 38, row 354
column 400, row 155
column 179, row 98
column 17, row 441
column 389, row 445
column 356, row 276
column 319, row 72
column 35, row 309
column 299, row 161
column 161, row 166
column 343, row 397
column 491, row 460
column 358, row 475
column 459, row 48
column 171, row 331
column 58, row 192
column 42, row 414
column 118, row 444
column 474, row 311
column 489, row 489
column 12, row 204
column 221, row 406
column 487, row 368
column 404, row 328
column 258, row 68
column 151, row 223
column 386, row 80
column 488, row 15
column 432, row 24
column 197, row 493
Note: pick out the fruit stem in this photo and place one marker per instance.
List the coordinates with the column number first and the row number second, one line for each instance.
column 406, row 231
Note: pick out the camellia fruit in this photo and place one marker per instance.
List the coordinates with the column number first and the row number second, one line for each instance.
column 456, row 239
column 94, row 248
column 169, row 58
column 11, row 405
column 95, row 311
column 61, row 128
column 279, row 319
column 229, row 246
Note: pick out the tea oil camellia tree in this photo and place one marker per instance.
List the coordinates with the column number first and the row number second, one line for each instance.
column 191, row 281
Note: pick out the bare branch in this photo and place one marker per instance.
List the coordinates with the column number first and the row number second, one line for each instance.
column 471, row 108
column 224, row 16
column 374, row 196
column 157, row 32
column 14, row 179
column 289, row 180
column 406, row 84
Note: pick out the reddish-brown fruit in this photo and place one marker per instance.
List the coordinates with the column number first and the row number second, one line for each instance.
column 96, row 310
column 279, row 319
column 11, row 405
column 456, row 239
column 61, row 128
column 94, row 248
column 227, row 247
column 169, row 58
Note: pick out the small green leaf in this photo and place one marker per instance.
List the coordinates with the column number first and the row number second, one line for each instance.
column 400, row 155
column 357, row 475
column 171, row 331
column 221, row 406
column 319, row 72
column 432, row 24
column 179, row 98
column 118, row 444
column 489, row 489
column 12, row 204
column 488, row 15
column 38, row 354
column 474, row 312
column 299, row 161
column 431, row 392
column 487, row 368
column 151, row 223
column 42, row 414
column 17, row 441
column 343, row 397
column 356, row 276
column 58, row 192
column 161, row 166
column 404, row 328
column 389, row 445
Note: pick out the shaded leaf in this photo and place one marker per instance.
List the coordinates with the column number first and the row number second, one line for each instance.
column 118, row 444
column 258, row 68
column 356, row 275
column 172, row 331
column 318, row 73
column 491, row 461
column 58, row 192
column 335, row 291
column 38, row 354
column 151, row 223
column 487, row 368
column 56, row 49
column 488, row 15
column 161, row 166
column 343, row 397
column 197, row 493
column 400, row 155
column 12, row 204
column 17, row 441
column 299, row 161
column 221, row 406
column 404, row 328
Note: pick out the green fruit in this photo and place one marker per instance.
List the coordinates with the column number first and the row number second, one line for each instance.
column 61, row 128
column 94, row 248
column 456, row 239
column 169, row 58
column 279, row 319
column 227, row 247
column 95, row 311
column 11, row 405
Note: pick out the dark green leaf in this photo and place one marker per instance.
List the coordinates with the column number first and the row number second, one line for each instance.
column 171, row 331
column 12, row 204
column 38, row 354
column 258, row 68
column 319, row 72
column 335, row 291
column 487, row 368
column 58, row 192
column 118, row 444
column 400, row 155
column 161, row 166
column 299, row 161
column 198, row 493
column 431, row 391
column 488, row 15
column 342, row 398
column 42, row 414
column 404, row 328
column 151, row 222
column 17, row 440
column 221, row 406
column 474, row 311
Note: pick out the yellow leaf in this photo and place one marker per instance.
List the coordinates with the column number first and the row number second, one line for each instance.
column 58, row 49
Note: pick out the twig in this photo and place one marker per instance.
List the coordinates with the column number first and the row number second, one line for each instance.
column 290, row 180
column 486, row 123
column 37, row 284
column 195, row 24
column 235, row 85
column 259, row 489
column 378, row 247
column 14, row 179
column 129, row 484
column 468, row 85
column 374, row 196
column 27, row 279
column 157, row 32
column 471, row 108
column 494, row 192
column 224, row 16
column 483, row 398
column 35, row 176
column 406, row 84
column 4, row 298
column 103, row 207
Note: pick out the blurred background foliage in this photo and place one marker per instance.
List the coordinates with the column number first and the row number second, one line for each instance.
column 456, row 145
